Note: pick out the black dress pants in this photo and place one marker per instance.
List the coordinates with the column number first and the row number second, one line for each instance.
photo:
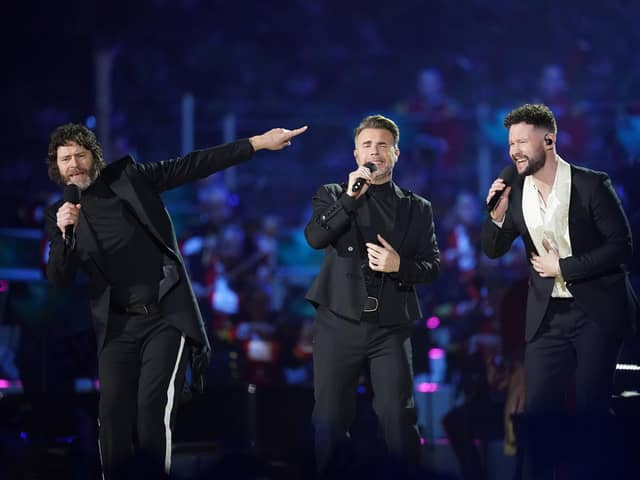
column 141, row 369
column 341, row 349
column 570, row 352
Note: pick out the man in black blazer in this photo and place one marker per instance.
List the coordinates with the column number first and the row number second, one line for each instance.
column 379, row 242
column 580, row 303
column 146, row 318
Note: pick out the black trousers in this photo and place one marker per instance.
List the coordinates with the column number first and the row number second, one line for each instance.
column 569, row 351
column 341, row 349
column 141, row 371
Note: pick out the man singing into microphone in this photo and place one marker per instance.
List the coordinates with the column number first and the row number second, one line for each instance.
column 580, row 302
column 148, row 325
column 379, row 242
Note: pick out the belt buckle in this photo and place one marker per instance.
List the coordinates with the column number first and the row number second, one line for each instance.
column 368, row 310
column 139, row 309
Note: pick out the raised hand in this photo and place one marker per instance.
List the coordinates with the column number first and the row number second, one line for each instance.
column 67, row 214
column 275, row 139
column 500, row 209
column 383, row 258
column 360, row 172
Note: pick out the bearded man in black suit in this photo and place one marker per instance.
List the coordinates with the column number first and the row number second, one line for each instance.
column 147, row 321
column 580, row 303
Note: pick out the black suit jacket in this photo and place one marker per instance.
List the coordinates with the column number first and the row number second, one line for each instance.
column 340, row 284
column 139, row 187
column 600, row 242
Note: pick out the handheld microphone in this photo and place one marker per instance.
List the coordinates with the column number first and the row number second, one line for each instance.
column 71, row 194
column 361, row 181
column 508, row 174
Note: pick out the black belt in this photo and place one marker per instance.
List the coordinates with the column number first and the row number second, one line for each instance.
column 139, row 309
column 371, row 305
column 562, row 299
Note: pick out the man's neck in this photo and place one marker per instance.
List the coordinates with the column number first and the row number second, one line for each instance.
column 546, row 176
column 381, row 180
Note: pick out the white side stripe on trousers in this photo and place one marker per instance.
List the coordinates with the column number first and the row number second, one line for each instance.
column 171, row 393
column 100, row 452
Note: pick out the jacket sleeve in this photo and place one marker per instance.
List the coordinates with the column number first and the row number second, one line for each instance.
column 424, row 266
column 63, row 262
column 168, row 174
column 331, row 216
column 616, row 247
column 495, row 240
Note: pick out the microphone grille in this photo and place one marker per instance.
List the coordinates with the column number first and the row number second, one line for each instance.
column 508, row 174
column 71, row 193
column 371, row 166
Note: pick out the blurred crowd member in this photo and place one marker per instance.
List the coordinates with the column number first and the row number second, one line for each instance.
column 438, row 121
column 56, row 348
column 492, row 381
column 571, row 114
column 462, row 303
column 628, row 135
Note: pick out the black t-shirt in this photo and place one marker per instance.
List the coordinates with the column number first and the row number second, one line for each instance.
column 376, row 215
column 132, row 257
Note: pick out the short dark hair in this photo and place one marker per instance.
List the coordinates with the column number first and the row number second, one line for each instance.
column 72, row 132
column 378, row 121
column 538, row 115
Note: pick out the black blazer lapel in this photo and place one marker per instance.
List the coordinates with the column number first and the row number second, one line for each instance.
column 87, row 239
column 403, row 217
column 124, row 189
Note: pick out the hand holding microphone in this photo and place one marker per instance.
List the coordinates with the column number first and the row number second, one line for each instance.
column 360, row 179
column 68, row 213
column 498, row 195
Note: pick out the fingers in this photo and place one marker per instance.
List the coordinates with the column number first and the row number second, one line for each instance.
column 535, row 262
column 374, row 248
column 289, row 134
column 497, row 186
column 499, row 211
column 503, row 198
column 297, row 131
column 384, row 243
column 67, row 214
column 376, row 256
column 275, row 139
column 386, row 246
column 546, row 243
column 361, row 172
column 377, row 260
column 538, row 265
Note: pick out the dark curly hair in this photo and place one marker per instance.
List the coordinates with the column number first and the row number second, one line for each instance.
column 538, row 115
column 73, row 132
column 378, row 121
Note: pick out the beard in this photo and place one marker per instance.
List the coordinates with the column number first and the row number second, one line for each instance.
column 534, row 164
column 83, row 183
column 86, row 180
column 383, row 174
